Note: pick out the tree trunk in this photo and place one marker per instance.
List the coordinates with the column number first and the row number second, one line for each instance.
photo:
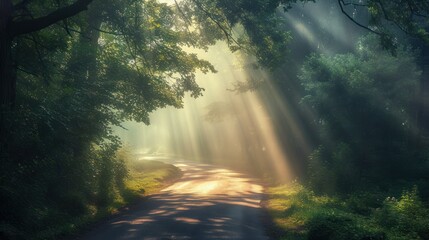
column 10, row 29
column 7, row 75
column 423, row 111
column 83, row 63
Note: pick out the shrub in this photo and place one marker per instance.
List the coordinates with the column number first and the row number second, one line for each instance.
column 335, row 226
column 364, row 202
column 333, row 170
column 406, row 218
column 73, row 204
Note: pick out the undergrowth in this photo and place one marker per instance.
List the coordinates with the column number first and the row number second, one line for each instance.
column 142, row 178
column 301, row 214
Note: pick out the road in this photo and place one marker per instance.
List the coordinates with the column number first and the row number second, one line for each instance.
column 206, row 203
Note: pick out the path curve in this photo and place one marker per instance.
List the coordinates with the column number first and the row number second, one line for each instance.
column 208, row 202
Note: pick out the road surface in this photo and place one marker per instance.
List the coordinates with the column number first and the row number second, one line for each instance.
column 206, row 203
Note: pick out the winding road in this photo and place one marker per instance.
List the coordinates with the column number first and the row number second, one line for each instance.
column 206, row 203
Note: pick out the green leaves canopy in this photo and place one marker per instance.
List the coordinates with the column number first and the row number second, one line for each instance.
column 363, row 107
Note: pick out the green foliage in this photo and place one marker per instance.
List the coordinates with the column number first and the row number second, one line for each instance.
column 338, row 227
column 119, row 60
column 47, row 210
column 149, row 177
column 361, row 100
column 50, row 191
column 333, row 170
column 389, row 19
column 406, row 217
column 252, row 27
column 301, row 214
column 364, row 202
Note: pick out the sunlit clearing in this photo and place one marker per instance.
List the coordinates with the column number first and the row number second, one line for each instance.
column 222, row 127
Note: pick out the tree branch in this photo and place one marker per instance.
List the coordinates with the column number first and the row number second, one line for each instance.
column 42, row 62
column 188, row 23
column 26, row 71
column 229, row 38
column 28, row 26
column 341, row 3
column 354, row 4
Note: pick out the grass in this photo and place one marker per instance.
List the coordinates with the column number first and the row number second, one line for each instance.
column 298, row 214
column 149, row 177
column 144, row 178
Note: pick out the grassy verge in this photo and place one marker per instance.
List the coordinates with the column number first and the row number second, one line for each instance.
column 144, row 178
column 298, row 213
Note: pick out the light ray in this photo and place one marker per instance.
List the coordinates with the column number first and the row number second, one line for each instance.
column 222, row 127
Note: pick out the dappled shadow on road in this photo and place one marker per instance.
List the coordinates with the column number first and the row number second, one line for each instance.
column 190, row 217
column 207, row 203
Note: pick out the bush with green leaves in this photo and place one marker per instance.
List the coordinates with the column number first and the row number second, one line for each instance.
column 334, row 226
column 405, row 218
column 365, row 215
column 331, row 171
column 363, row 104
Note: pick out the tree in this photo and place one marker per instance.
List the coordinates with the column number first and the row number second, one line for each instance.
column 77, row 75
column 364, row 107
column 411, row 17
column 390, row 20
column 68, row 75
column 12, row 25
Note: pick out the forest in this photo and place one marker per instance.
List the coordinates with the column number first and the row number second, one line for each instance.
column 329, row 111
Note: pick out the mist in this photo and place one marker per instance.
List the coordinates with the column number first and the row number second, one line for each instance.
column 258, row 130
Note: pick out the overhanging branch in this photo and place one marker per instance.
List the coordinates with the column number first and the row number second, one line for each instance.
column 28, row 26
column 341, row 3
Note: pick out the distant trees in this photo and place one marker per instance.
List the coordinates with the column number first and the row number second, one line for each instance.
column 364, row 107
column 393, row 21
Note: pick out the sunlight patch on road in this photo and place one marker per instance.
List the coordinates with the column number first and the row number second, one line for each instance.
column 157, row 212
column 206, row 187
column 214, row 186
column 134, row 222
column 188, row 220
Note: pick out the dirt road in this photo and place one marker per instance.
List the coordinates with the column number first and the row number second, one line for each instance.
column 207, row 203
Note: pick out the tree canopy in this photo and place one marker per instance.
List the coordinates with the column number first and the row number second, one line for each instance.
column 72, row 69
column 361, row 100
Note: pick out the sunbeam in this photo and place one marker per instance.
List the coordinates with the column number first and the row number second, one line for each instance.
column 222, row 127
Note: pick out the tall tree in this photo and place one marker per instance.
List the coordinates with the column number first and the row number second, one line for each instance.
column 364, row 105
column 12, row 24
column 391, row 19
